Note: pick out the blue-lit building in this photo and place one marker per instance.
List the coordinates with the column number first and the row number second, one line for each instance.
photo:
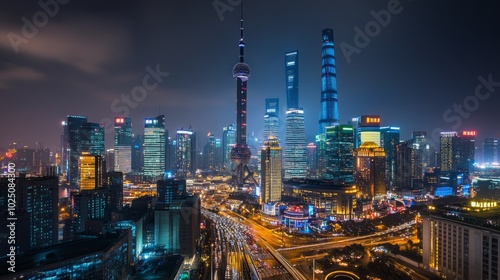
column 170, row 189
column 228, row 141
column 186, row 153
column 90, row 258
column 389, row 138
column 137, row 153
column 490, row 150
column 123, row 144
column 90, row 210
column 177, row 226
column 329, row 111
column 36, row 213
column 92, row 139
column 271, row 118
column 71, row 147
column 209, row 153
column 339, row 153
column 295, row 145
column 155, row 147
column 292, row 79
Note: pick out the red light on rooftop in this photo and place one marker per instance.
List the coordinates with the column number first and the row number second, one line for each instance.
column 469, row 133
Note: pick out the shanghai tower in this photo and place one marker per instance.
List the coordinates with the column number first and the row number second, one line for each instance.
column 240, row 153
column 329, row 111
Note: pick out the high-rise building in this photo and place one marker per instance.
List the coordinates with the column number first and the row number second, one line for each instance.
column 240, row 152
column 321, row 157
column 408, row 164
column 92, row 139
column 177, row 226
column 209, row 153
column 113, row 181
column 90, row 207
column 155, row 145
column 457, row 151
column 370, row 169
column 170, row 189
column 218, row 155
column 368, row 129
column 137, row 153
column 123, row 144
column 329, row 111
column 292, row 79
column 186, row 153
column 36, row 213
column 271, row 118
column 295, row 145
column 71, row 147
column 466, row 151
column 419, row 139
column 465, row 245
column 448, row 147
column 312, row 160
column 271, row 179
column 490, row 150
column 339, row 153
column 90, row 170
column 389, row 138
column 228, row 141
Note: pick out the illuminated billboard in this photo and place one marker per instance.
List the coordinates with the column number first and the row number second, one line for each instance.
column 370, row 120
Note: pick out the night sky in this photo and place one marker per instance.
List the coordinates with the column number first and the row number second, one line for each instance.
column 86, row 55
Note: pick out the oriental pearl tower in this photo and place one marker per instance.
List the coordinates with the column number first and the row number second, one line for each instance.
column 240, row 153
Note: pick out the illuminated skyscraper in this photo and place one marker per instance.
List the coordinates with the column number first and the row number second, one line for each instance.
column 370, row 169
column 155, row 137
column 295, row 145
column 466, row 151
column 339, row 153
column 271, row 118
column 368, row 129
column 123, row 144
column 448, row 147
column 312, row 161
column 271, row 179
column 186, row 153
column 92, row 139
column 228, row 141
column 292, row 79
column 240, row 153
column 71, row 147
column 329, row 112
column 295, row 132
column 90, row 170
column 209, row 153
column 389, row 138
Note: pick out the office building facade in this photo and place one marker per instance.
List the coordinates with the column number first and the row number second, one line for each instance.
column 155, row 147
column 123, row 144
column 389, row 138
column 90, row 171
column 295, row 145
column 370, row 169
column 339, row 153
column 71, row 147
column 271, row 119
column 271, row 168
column 186, row 153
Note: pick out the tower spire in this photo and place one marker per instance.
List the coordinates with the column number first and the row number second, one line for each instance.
column 242, row 42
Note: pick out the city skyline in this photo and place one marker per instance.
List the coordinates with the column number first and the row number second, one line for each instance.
column 80, row 65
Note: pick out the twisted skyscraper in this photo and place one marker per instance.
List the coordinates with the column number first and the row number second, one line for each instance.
column 329, row 112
